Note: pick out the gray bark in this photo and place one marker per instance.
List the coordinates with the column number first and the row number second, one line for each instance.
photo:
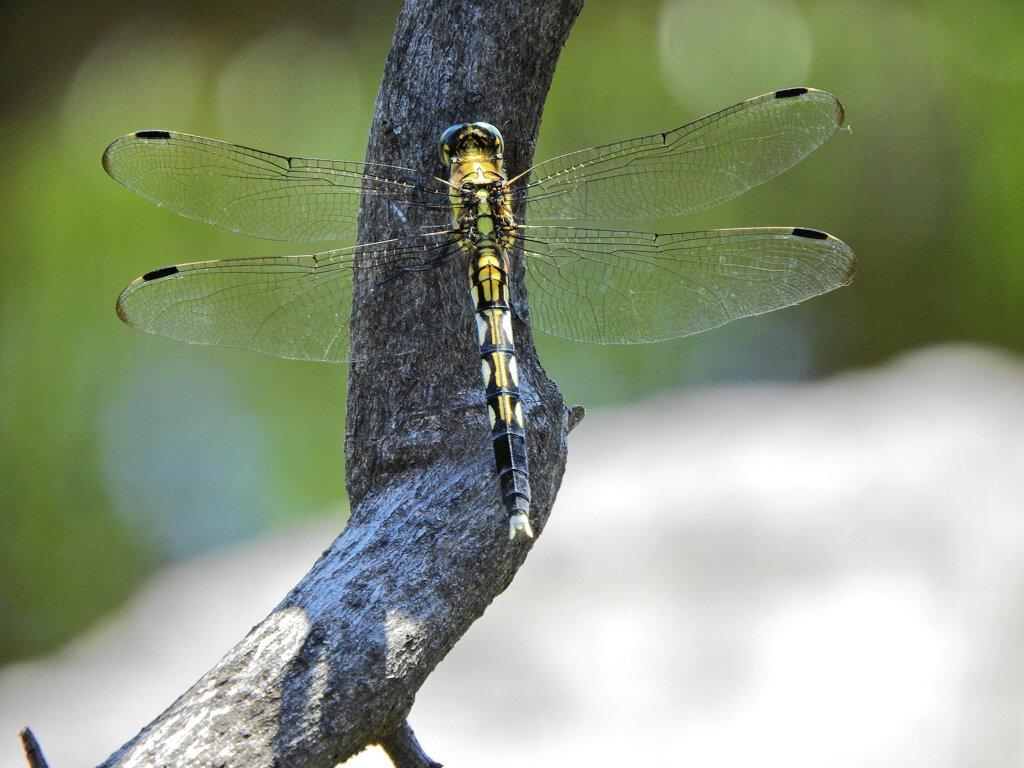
column 33, row 753
column 337, row 664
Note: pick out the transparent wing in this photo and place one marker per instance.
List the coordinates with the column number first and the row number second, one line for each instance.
column 626, row 287
column 292, row 306
column 257, row 193
column 697, row 166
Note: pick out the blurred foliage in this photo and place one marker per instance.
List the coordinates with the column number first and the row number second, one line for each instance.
column 121, row 451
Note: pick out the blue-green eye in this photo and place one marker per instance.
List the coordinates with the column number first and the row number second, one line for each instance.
column 481, row 135
column 446, row 143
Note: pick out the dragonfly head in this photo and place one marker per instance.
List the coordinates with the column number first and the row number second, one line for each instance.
column 469, row 141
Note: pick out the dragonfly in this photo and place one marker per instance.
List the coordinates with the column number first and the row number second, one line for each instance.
column 602, row 286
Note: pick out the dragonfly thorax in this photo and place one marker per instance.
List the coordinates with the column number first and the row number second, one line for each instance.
column 481, row 205
column 483, row 213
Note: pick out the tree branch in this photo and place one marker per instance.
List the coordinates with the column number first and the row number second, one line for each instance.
column 33, row 752
column 337, row 664
column 405, row 751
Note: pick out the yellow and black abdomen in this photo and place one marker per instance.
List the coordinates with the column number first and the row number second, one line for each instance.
column 488, row 276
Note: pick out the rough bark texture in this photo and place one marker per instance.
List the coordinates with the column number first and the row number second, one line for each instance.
column 336, row 666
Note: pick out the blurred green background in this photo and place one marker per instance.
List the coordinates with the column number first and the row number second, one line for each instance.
column 121, row 452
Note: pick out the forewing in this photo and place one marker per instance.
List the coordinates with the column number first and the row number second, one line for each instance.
column 626, row 287
column 258, row 193
column 697, row 166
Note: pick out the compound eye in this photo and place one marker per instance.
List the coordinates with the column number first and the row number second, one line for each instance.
column 493, row 136
column 476, row 137
column 446, row 144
